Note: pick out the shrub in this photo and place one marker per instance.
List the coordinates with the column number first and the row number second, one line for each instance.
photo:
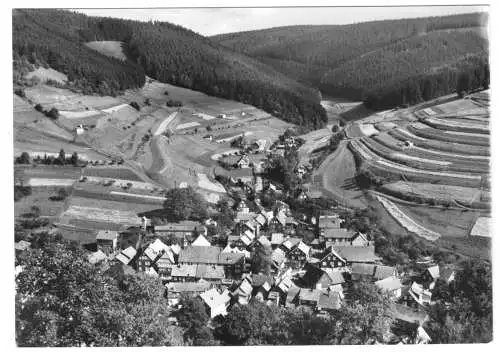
column 20, row 92
column 39, row 107
column 135, row 105
column 52, row 113
column 21, row 192
column 173, row 103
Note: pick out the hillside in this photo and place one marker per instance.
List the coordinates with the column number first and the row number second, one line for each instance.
column 163, row 51
column 366, row 59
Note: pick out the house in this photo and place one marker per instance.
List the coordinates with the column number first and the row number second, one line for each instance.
column 284, row 282
column 261, row 220
column 22, row 245
column 260, row 145
column 435, row 272
column 184, row 273
column 242, row 207
column 273, row 298
column 281, row 207
column 201, row 241
column 323, row 279
column 277, row 239
column 309, row 297
column 369, row 271
column 422, row 336
column 165, row 263
column 298, row 256
column 329, row 222
column 181, row 229
column 199, row 255
column 332, row 259
column 292, row 296
column 264, row 242
column 176, row 289
column 337, row 237
column 417, row 295
column 357, row 254
column 233, row 264
column 243, row 292
column 244, row 162
column 126, row 255
column 107, row 241
column 96, row 257
column 244, row 176
column 289, row 243
column 151, row 253
column 216, row 302
column 329, row 302
column 278, row 257
column 210, row 272
column 391, row 285
column 79, row 130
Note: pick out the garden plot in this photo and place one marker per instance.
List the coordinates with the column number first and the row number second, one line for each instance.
column 164, row 124
column 368, row 129
column 121, row 217
column 50, row 182
column 122, row 183
column 110, row 172
column 456, row 105
column 403, row 135
column 79, row 114
column 64, row 99
column 115, row 108
column 458, row 125
column 482, row 227
column 405, row 221
column 427, row 191
column 205, row 117
column 187, row 125
column 205, row 183
column 142, row 196
column 108, row 48
column 45, row 74
column 435, row 134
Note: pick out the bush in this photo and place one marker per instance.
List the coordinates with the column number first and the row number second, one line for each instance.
column 173, row 103
column 21, row 192
column 39, row 107
column 135, row 105
column 20, row 93
column 52, row 113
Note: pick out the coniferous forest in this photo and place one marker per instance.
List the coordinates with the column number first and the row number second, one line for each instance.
column 166, row 52
column 384, row 63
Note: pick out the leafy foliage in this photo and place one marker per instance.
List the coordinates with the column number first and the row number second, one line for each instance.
column 185, row 203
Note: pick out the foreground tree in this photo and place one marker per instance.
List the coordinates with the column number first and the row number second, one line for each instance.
column 185, row 203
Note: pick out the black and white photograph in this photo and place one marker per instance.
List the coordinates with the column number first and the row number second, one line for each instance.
column 249, row 176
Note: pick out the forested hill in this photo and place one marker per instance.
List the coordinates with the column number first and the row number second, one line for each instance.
column 167, row 52
column 386, row 63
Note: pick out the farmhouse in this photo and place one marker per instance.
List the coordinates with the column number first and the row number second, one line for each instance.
column 96, row 257
column 107, row 241
column 244, row 176
column 176, row 289
column 126, row 255
column 22, row 245
column 391, row 285
column 199, row 255
column 181, row 230
column 233, row 264
column 371, row 271
column 298, row 256
column 216, row 302
column 342, row 237
column 357, row 254
column 329, row 302
column 210, row 272
column 184, row 273
column 332, row 259
column 323, row 279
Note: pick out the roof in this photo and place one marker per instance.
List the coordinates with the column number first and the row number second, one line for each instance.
column 175, row 248
column 246, row 240
column 264, row 241
column 203, row 255
column 434, row 271
column 291, row 242
column 363, row 269
column 183, row 226
column 260, row 279
column 278, row 256
column 210, row 271
column 304, row 248
column 389, row 284
column 184, row 270
column 214, row 299
column 293, row 291
column 335, row 276
column 201, row 241
column 230, row 257
column 243, row 216
column 331, row 250
column 329, row 300
column 309, row 295
column 277, row 238
column 383, row 271
column 364, row 254
column 126, row 255
column 337, row 233
column 446, row 273
column 155, row 249
column 285, row 284
column 22, row 245
column 245, row 288
column 106, row 235
column 422, row 335
column 200, row 286
column 261, row 219
column 239, row 173
column 96, row 257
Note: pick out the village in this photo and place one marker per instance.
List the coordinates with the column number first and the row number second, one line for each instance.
column 264, row 257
